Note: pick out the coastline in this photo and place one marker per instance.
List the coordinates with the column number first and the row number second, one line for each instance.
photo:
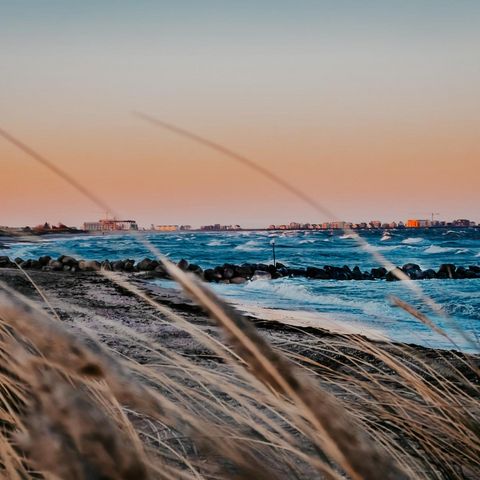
column 71, row 294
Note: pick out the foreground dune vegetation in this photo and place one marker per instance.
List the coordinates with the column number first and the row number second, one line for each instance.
column 74, row 408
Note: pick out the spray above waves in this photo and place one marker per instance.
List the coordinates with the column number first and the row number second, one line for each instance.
column 434, row 249
column 377, row 248
column 215, row 243
column 250, row 246
column 412, row 240
column 349, row 236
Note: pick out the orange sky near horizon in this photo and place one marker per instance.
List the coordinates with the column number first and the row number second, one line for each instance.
column 370, row 123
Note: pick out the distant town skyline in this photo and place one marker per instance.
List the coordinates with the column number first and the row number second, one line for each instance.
column 118, row 224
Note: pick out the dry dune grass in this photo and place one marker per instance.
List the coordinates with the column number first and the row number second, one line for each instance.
column 72, row 409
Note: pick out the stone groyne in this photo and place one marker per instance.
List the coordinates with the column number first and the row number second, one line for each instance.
column 230, row 273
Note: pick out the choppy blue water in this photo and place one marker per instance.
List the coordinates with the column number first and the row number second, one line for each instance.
column 357, row 303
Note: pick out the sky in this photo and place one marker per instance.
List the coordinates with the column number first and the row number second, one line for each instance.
column 371, row 108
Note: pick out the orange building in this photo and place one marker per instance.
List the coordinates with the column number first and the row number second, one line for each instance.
column 414, row 223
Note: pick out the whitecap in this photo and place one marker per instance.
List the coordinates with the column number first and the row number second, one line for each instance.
column 375, row 248
column 412, row 240
column 348, row 235
column 250, row 246
column 215, row 243
column 436, row 249
column 462, row 250
column 386, row 237
column 306, row 241
column 283, row 290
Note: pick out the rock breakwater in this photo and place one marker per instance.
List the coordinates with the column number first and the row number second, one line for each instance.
column 237, row 274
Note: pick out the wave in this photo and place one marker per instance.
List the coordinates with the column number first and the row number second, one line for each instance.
column 348, row 236
column 215, row 243
column 306, row 241
column 285, row 291
column 250, row 246
column 376, row 248
column 432, row 249
column 412, row 240
column 462, row 250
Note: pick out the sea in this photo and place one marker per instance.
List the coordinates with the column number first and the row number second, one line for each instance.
column 358, row 306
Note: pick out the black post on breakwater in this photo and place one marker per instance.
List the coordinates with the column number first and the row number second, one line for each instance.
column 273, row 250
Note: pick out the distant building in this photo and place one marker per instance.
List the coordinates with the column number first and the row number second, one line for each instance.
column 375, row 224
column 217, row 227
column 166, row 228
column 110, row 225
column 463, row 222
column 416, row 223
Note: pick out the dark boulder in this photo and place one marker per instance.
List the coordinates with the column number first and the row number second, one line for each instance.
column 390, row 276
column 460, row 272
column 118, row 265
column 26, row 264
column 412, row 270
column 228, row 272
column 146, row 265
column 378, row 272
column 244, row 271
column 357, row 273
column 88, row 265
column 69, row 261
column 429, row 274
column 209, row 275
column 297, row 272
column 282, row 271
column 55, row 265
column 317, row 273
column 196, row 269
column 129, row 265
column 446, row 270
column 183, row 264
column 44, row 260
column 411, row 266
column 272, row 269
column 106, row 265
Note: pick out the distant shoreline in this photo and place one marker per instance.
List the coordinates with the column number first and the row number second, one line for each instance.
column 14, row 235
column 15, row 232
